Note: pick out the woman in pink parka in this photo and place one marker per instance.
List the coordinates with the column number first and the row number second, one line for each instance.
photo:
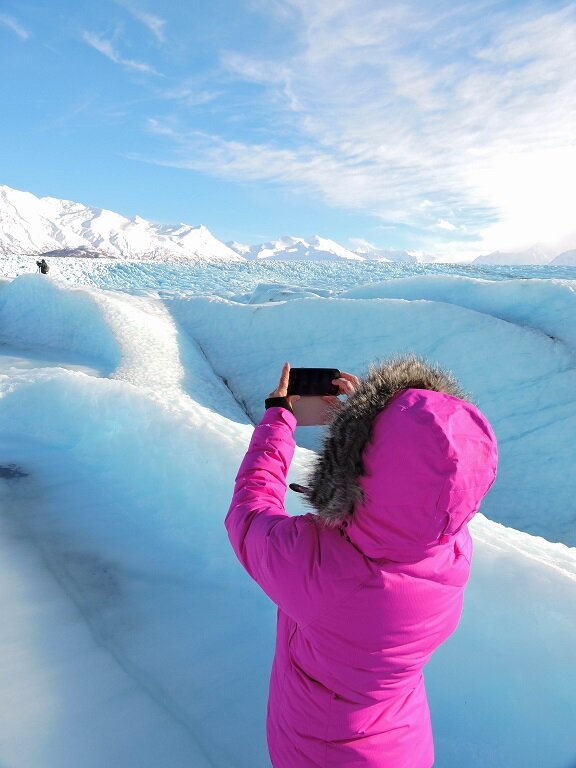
column 372, row 583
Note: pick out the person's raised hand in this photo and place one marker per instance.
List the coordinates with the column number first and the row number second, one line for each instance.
column 282, row 388
column 347, row 385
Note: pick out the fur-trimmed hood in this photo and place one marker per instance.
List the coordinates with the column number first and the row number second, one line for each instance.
column 407, row 438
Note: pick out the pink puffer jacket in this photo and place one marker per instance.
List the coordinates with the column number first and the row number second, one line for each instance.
column 361, row 608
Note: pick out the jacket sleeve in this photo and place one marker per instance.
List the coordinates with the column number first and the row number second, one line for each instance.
column 279, row 552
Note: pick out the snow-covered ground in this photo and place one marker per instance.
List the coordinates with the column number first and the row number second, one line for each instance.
column 130, row 636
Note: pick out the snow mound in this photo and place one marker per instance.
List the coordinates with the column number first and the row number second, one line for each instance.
column 270, row 292
column 40, row 313
column 548, row 306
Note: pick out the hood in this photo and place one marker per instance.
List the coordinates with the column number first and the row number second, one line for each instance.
column 431, row 460
column 406, row 462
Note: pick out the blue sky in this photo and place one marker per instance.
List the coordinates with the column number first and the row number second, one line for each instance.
column 447, row 127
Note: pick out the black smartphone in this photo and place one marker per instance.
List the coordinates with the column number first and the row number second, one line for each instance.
column 313, row 381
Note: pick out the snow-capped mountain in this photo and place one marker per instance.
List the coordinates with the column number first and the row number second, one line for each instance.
column 567, row 258
column 372, row 253
column 297, row 249
column 31, row 225
column 535, row 255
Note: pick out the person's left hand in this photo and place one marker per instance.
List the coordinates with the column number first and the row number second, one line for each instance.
column 282, row 388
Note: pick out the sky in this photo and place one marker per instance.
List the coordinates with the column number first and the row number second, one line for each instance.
column 442, row 127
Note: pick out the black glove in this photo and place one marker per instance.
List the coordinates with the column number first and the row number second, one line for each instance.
column 278, row 402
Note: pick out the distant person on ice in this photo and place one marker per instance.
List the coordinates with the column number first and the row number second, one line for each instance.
column 369, row 586
column 43, row 266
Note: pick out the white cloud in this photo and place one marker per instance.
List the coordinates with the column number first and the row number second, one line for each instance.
column 189, row 95
column 106, row 48
column 445, row 117
column 537, row 190
column 153, row 23
column 15, row 26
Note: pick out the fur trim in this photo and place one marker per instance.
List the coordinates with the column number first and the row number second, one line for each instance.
column 333, row 488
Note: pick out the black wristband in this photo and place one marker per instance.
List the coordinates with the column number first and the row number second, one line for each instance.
column 278, row 402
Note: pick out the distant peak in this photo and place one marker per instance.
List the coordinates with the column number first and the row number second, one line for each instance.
column 34, row 225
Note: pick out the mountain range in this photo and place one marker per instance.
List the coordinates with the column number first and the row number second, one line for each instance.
column 48, row 226
column 31, row 225
column 296, row 249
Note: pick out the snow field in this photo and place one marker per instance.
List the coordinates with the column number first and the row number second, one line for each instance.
column 133, row 638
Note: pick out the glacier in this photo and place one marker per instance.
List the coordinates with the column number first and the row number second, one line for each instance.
column 130, row 636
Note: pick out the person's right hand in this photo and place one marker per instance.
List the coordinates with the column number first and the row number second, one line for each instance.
column 347, row 385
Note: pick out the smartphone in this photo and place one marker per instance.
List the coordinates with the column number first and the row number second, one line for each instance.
column 313, row 381
column 311, row 384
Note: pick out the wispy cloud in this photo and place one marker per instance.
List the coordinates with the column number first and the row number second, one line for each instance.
column 348, row 177
column 189, row 95
column 14, row 25
column 436, row 116
column 107, row 48
column 153, row 23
